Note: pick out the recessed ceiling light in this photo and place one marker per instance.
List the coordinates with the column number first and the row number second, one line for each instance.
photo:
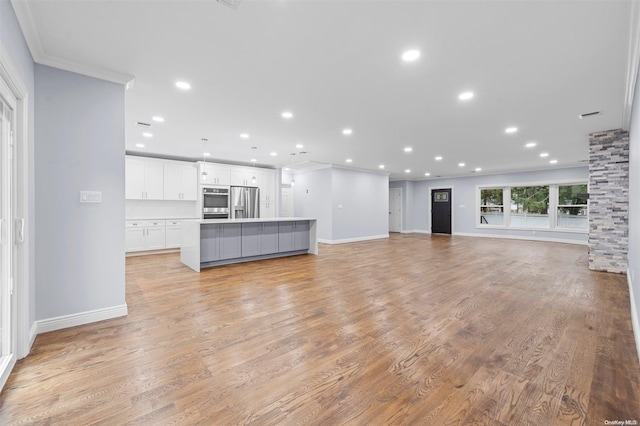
column 286, row 169
column 140, row 145
column 411, row 55
column 299, row 146
column 253, row 160
column 465, row 96
column 530, row 144
column 408, row 149
column 183, row 85
column 511, row 130
column 158, row 119
column 347, row 131
column 553, row 161
column 206, row 154
column 349, row 160
column 147, row 135
column 427, row 174
column 461, row 164
column 273, row 154
column 544, row 154
column 381, row 166
column 244, row 135
column 438, row 158
column 287, row 114
column 478, row 169
column 407, row 171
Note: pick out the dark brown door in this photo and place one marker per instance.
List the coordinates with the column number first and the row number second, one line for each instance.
column 441, row 211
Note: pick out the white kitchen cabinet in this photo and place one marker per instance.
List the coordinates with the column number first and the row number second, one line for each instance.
column 144, row 178
column 143, row 235
column 173, row 234
column 266, row 181
column 243, row 176
column 216, row 174
column 180, row 181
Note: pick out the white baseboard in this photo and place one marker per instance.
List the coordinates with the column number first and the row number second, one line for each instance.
column 520, row 237
column 353, row 240
column 33, row 333
column 635, row 320
column 148, row 252
column 415, row 231
column 81, row 318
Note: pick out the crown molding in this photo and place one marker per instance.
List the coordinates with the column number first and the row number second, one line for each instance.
column 27, row 24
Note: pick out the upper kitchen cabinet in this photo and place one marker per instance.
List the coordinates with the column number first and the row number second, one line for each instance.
column 144, row 178
column 180, row 181
column 215, row 174
column 243, row 176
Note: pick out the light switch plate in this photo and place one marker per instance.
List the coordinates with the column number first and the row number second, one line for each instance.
column 90, row 196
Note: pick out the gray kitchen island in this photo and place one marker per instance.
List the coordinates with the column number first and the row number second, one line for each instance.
column 207, row 243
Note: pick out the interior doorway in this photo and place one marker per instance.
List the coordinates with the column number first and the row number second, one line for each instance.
column 441, row 211
column 286, row 206
column 395, row 209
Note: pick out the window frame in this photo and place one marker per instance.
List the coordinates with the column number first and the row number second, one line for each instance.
column 553, row 205
column 480, row 205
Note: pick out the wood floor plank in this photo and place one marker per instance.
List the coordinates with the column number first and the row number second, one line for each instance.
column 416, row 329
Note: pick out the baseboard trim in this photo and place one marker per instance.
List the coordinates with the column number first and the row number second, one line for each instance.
column 635, row 321
column 73, row 320
column 33, row 333
column 519, row 237
column 415, row 231
column 353, row 240
column 148, row 252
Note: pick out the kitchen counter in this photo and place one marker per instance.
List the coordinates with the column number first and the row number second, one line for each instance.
column 215, row 242
column 254, row 220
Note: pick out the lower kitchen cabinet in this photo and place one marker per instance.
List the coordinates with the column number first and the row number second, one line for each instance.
column 293, row 236
column 220, row 241
column 144, row 235
column 172, row 234
column 259, row 239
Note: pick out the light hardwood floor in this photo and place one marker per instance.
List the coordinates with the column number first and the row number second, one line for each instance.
column 414, row 330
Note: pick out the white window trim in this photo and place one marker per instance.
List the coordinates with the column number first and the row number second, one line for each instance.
column 553, row 205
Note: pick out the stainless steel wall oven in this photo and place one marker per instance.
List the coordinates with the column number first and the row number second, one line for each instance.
column 215, row 203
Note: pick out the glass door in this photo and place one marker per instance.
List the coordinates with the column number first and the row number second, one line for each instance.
column 7, row 108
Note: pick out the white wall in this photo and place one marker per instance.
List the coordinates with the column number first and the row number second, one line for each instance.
column 464, row 202
column 360, row 203
column 634, row 212
column 349, row 205
column 80, row 146
column 155, row 209
column 312, row 198
column 13, row 44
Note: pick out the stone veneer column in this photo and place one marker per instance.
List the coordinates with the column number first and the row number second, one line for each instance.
column 609, row 200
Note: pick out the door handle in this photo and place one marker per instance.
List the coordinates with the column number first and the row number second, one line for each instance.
column 19, row 230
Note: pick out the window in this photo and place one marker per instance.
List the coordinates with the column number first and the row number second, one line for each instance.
column 572, row 206
column 555, row 207
column 491, row 206
column 530, row 207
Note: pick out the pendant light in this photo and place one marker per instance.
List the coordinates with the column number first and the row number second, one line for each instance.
column 204, row 159
column 253, row 178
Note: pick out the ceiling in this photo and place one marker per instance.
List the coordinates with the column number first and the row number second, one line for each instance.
column 535, row 65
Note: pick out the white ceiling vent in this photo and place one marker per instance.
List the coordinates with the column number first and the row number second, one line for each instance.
column 233, row 4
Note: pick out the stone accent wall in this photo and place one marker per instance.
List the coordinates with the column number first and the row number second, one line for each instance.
column 609, row 201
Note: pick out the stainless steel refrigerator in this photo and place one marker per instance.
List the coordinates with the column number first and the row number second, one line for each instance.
column 245, row 202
